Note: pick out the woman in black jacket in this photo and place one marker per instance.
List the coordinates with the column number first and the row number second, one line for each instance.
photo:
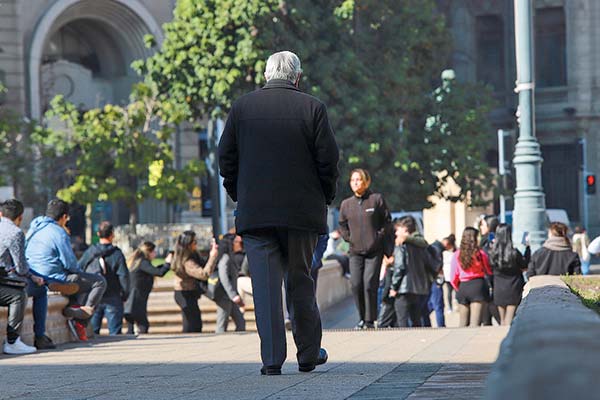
column 508, row 265
column 142, row 274
column 365, row 222
column 556, row 256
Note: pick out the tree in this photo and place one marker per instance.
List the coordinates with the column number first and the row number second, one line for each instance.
column 208, row 54
column 18, row 155
column 123, row 152
column 454, row 140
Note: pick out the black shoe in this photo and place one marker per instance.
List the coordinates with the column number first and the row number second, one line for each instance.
column 43, row 343
column 322, row 359
column 369, row 325
column 360, row 325
column 270, row 371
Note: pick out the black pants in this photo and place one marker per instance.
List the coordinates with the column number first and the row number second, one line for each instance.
column 409, row 306
column 187, row 300
column 364, row 278
column 16, row 300
column 276, row 254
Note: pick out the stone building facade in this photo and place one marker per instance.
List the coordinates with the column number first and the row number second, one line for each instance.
column 82, row 49
column 567, row 63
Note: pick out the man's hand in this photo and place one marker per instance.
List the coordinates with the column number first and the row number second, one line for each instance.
column 393, row 293
column 38, row 280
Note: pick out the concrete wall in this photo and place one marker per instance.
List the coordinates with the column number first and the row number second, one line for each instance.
column 552, row 348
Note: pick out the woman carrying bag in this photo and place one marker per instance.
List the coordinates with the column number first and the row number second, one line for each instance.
column 189, row 269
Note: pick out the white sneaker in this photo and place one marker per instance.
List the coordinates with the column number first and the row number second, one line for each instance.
column 18, row 347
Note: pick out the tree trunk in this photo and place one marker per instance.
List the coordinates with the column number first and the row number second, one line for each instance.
column 133, row 217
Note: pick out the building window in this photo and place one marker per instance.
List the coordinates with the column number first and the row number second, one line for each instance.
column 490, row 51
column 550, row 47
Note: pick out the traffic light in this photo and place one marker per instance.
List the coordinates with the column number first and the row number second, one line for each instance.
column 590, row 184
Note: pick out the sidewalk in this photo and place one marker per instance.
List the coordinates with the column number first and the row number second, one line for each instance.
column 398, row 364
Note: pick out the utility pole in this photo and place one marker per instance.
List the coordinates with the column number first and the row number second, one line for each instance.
column 530, row 203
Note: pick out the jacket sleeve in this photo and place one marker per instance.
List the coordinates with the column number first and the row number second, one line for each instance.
column 66, row 255
column 531, row 269
column 223, row 268
column 398, row 271
column 228, row 157
column 17, row 253
column 149, row 269
column 326, row 154
column 343, row 222
column 123, row 274
column 197, row 271
column 386, row 232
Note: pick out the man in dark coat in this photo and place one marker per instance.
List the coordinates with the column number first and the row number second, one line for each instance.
column 278, row 157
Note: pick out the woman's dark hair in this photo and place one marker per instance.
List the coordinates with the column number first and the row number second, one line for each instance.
column 502, row 253
column 468, row 247
column 451, row 239
column 226, row 245
column 492, row 222
column 183, row 251
column 559, row 229
column 141, row 253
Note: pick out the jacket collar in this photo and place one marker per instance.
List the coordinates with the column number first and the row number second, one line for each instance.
column 364, row 196
column 281, row 84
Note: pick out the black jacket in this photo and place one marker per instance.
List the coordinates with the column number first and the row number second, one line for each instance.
column 278, row 157
column 365, row 222
column 142, row 280
column 552, row 262
column 117, row 274
column 414, row 267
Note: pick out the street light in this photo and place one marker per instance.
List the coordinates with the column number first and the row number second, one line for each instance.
column 529, row 214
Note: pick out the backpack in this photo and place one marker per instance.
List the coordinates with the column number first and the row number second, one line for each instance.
column 97, row 264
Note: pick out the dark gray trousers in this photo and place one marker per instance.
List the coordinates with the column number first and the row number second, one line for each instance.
column 276, row 254
column 226, row 308
column 16, row 300
column 91, row 289
column 364, row 278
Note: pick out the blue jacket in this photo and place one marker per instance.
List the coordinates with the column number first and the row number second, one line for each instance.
column 48, row 249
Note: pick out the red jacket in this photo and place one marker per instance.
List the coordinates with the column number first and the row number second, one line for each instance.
column 480, row 267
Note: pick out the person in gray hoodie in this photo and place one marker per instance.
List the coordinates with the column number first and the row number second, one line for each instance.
column 49, row 253
column 413, row 272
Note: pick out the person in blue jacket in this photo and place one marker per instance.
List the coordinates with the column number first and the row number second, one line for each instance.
column 49, row 253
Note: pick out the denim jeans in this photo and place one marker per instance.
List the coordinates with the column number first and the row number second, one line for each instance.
column 40, row 307
column 585, row 267
column 436, row 302
column 114, row 318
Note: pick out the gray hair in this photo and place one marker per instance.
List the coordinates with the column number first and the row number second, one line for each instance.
column 283, row 65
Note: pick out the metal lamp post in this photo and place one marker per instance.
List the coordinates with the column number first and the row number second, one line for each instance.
column 529, row 214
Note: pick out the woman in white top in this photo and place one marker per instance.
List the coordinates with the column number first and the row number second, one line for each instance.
column 580, row 243
column 449, row 249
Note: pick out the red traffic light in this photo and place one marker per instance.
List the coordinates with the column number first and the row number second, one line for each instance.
column 590, row 180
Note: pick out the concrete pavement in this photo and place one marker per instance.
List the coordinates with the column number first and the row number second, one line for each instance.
column 410, row 363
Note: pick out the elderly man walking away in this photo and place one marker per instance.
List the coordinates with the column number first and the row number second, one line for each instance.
column 278, row 158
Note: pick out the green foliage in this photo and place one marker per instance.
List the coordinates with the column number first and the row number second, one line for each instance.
column 208, row 51
column 122, row 152
column 453, row 143
column 371, row 61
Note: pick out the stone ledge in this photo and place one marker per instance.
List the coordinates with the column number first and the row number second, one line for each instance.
column 552, row 348
column 56, row 323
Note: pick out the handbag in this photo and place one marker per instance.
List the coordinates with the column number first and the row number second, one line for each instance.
column 214, row 288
